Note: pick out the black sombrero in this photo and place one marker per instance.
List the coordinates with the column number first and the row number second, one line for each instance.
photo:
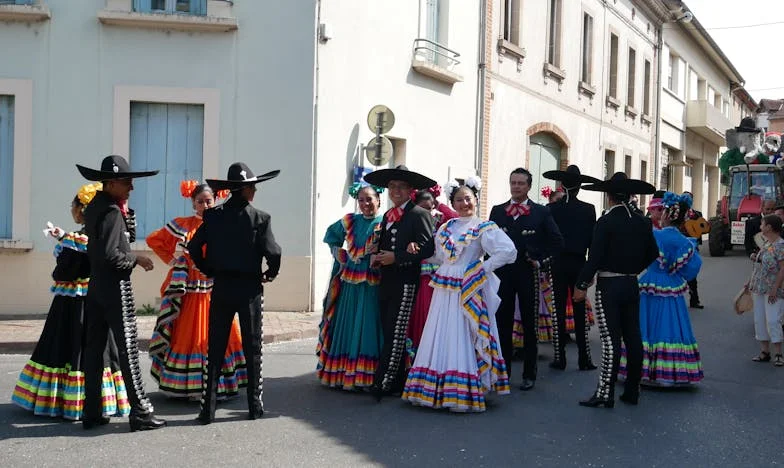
column 112, row 168
column 240, row 175
column 571, row 177
column 620, row 183
column 747, row 125
column 382, row 177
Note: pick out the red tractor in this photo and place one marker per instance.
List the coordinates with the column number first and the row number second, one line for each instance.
column 749, row 186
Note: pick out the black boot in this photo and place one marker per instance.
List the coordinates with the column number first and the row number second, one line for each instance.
column 585, row 363
column 256, row 411
column 145, row 422
column 559, row 364
column 595, row 402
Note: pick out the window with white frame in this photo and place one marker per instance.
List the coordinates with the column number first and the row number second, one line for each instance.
column 631, row 78
column 646, row 92
column 554, row 33
column 16, row 2
column 186, row 7
column 586, row 63
column 613, row 65
column 673, row 73
column 511, row 15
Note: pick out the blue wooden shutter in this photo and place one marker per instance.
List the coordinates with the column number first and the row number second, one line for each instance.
column 170, row 138
column 142, row 6
column 199, row 7
column 6, row 165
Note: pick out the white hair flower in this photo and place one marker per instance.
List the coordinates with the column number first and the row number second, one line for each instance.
column 450, row 187
column 474, row 182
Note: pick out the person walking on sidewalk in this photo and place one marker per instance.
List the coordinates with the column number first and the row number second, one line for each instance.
column 110, row 301
column 52, row 381
column 230, row 246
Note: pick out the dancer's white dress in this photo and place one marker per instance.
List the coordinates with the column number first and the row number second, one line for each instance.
column 459, row 357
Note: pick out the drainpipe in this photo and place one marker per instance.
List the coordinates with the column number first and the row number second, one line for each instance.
column 657, row 140
column 481, row 77
column 314, row 162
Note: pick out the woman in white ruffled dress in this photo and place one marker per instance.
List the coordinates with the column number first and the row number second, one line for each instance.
column 459, row 357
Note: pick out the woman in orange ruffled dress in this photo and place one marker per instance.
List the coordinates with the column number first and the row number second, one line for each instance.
column 178, row 347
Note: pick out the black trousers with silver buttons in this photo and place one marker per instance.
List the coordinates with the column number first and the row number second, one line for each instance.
column 243, row 296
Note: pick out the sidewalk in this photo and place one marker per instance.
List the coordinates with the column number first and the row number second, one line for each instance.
column 19, row 336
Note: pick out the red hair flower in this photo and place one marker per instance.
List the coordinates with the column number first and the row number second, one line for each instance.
column 187, row 186
column 547, row 191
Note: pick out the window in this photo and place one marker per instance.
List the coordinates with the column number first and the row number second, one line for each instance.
column 687, row 170
column 188, row 7
column 717, row 101
column 627, row 165
column 16, row 2
column 644, row 170
column 587, row 52
column 613, row 65
column 554, row 34
column 512, row 21
column 168, row 137
column 631, row 78
column 646, row 92
column 672, row 73
column 6, row 165
column 609, row 163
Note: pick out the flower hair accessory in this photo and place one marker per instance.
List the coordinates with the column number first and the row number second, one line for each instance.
column 450, row 187
column 353, row 189
column 87, row 192
column 222, row 194
column 547, row 191
column 187, row 187
column 474, row 182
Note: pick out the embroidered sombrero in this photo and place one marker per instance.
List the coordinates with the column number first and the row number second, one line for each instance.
column 382, row 177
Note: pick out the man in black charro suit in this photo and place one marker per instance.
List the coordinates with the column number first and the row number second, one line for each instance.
column 402, row 225
column 537, row 239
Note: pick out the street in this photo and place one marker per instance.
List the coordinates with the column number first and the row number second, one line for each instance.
column 733, row 417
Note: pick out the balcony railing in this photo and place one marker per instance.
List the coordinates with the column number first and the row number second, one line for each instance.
column 706, row 120
column 435, row 60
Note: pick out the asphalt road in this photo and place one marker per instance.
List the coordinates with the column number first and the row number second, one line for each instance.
column 734, row 417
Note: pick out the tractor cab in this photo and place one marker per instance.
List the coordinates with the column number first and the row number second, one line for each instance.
column 749, row 186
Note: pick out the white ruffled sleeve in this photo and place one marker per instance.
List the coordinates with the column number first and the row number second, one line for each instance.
column 438, row 253
column 499, row 246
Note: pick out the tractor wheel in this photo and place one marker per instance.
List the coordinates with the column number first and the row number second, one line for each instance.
column 716, row 244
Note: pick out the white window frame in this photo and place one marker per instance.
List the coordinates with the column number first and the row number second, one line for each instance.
column 208, row 97
column 586, row 49
column 22, row 91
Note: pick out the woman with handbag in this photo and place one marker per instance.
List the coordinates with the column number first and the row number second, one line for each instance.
column 766, row 290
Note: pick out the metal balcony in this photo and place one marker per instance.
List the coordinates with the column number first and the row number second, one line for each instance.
column 707, row 121
column 436, row 61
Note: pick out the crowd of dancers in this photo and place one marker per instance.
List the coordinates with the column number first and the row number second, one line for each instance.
column 432, row 303
column 426, row 301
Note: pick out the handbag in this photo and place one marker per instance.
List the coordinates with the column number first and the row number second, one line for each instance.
column 743, row 301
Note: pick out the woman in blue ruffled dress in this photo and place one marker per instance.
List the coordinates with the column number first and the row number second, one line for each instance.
column 671, row 356
column 350, row 335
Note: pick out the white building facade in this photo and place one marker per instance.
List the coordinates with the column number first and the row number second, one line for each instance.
column 701, row 97
column 190, row 86
column 571, row 82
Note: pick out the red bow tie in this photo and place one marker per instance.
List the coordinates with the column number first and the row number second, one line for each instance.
column 517, row 209
column 394, row 215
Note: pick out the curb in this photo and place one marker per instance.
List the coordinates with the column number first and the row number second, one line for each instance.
column 27, row 347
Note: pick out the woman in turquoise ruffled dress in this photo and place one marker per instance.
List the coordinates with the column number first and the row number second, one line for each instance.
column 671, row 356
column 350, row 335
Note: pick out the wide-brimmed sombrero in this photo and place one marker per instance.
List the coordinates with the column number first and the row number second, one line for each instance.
column 382, row 177
column 620, row 183
column 112, row 168
column 571, row 177
column 239, row 175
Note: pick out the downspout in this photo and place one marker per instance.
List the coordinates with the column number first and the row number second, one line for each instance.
column 481, row 77
column 657, row 140
column 314, row 163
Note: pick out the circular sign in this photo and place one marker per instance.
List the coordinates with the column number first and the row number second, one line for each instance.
column 373, row 156
column 380, row 116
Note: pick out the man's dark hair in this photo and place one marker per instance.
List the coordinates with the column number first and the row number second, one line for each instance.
column 774, row 222
column 619, row 197
column 521, row 170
